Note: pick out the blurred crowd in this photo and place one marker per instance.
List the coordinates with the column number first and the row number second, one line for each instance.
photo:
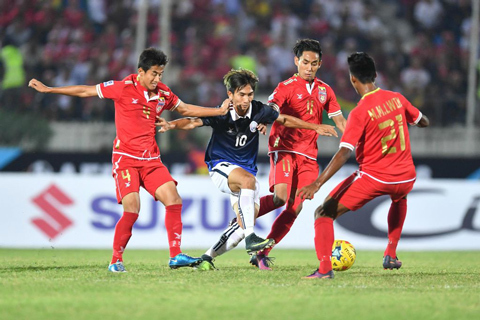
column 420, row 46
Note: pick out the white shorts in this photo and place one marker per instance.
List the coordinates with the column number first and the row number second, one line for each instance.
column 219, row 175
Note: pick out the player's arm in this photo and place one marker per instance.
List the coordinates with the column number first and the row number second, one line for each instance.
column 335, row 164
column 75, row 91
column 340, row 122
column 191, row 110
column 179, row 124
column 293, row 122
column 424, row 122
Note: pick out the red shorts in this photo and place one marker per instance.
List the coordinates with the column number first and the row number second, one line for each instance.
column 358, row 189
column 293, row 169
column 130, row 173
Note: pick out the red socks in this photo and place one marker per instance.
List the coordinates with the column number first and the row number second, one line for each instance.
column 266, row 205
column 324, row 238
column 396, row 219
column 123, row 232
column 281, row 226
column 173, row 224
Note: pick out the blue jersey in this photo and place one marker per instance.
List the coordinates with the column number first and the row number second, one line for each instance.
column 232, row 139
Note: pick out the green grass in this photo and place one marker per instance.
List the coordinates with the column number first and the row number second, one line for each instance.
column 75, row 284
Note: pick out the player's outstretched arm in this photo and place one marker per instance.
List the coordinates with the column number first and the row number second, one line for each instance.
column 179, row 124
column 191, row 110
column 293, row 122
column 340, row 122
column 335, row 164
column 75, row 91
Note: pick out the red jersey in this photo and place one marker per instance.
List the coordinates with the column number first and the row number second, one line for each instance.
column 298, row 98
column 135, row 115
column 377, row 127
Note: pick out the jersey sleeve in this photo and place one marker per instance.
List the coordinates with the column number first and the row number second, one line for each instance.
column 171, row 99
column 267, row 115
column 210, row 121
column 353, row 130
column 110, row 89
column 332, row 107
column 412, row 114
column 278, row 97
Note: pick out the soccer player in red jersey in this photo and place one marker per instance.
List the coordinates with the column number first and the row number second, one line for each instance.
column 139, row 98
column 293, row 152
column 377, row 128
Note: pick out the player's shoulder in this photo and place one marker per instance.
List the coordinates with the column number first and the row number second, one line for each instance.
column 290, row 82
column 164, row 89
column 323, row 85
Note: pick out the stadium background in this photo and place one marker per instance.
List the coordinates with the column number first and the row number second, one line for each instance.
column 55, row 151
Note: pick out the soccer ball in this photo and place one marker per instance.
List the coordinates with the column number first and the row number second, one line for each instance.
column 343, row 255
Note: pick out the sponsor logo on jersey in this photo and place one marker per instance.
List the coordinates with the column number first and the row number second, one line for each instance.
column 164, row 92
column 108, row 83
column 322, row 94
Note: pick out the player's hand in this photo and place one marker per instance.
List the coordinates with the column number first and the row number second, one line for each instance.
column 262, row 128
column 226, row 106
column 326, row 130
column 163, row 124
column 308, row 192
column 37, row 85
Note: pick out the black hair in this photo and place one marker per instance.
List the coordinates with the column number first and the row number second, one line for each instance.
column 362, row 67
column 237, row 79
column 152, row 57
column 307, row 45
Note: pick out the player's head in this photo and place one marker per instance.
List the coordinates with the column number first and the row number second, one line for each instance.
column 240, row 84
column 308, row 58
column 362, row 69
column 151, row 66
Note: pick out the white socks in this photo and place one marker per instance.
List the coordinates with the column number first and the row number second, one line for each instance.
column 230, row 238
column 246, row 209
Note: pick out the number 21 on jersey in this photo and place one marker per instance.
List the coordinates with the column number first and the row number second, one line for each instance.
column 390, row 124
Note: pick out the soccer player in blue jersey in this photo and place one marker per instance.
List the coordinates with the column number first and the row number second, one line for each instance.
column 231, row 156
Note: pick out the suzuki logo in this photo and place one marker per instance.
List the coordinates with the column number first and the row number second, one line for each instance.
column 50, row 201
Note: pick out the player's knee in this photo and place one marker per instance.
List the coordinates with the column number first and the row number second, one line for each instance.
column 325, row 211
column 279, row 201
column 248, row 182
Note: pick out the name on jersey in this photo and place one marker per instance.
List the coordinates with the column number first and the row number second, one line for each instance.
column 384, row 109
column 108, row 83
column 322, row 94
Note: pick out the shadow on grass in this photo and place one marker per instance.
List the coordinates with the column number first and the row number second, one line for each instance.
column 46, row 268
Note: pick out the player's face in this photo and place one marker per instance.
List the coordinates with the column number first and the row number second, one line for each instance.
column 150, row 78
column 241, row 99
column 308, row 65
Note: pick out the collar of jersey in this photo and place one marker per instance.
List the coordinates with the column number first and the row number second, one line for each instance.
column 369, row 93
column 301, row 79
column 235, row 115
column 145, row 91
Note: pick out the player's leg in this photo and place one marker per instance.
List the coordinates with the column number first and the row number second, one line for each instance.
column 160, row 184
column 245, row 184
column 127, row 186
column 302, row 171
column 396, row 219
column 324, row 236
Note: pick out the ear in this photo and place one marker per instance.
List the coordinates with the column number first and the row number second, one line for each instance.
column 230, row 95
column 296, row 61
column 353, row 79
column 141, row 71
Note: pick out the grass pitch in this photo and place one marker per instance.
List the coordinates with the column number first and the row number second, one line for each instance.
column 75, row 284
